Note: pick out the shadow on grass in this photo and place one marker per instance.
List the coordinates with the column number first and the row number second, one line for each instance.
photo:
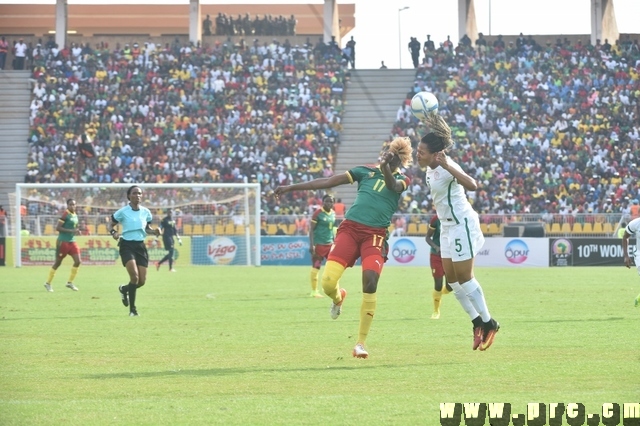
column 579, row 320
column 231, row 371
column 53, row 318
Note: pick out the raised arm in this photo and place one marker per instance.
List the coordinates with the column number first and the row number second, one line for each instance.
column 389, row 180
column 462, row 178
column 320, row 183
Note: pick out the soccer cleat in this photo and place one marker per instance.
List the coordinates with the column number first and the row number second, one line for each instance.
column 435, row 315
column 360, row 352
column 478, row 332
column 71, row 286
column 316, row 294
column 124, row 295
column 490, row 330
column 48, row 287
column 134, row 313
column 157, row 266
column 337, row 309
column 172, row 270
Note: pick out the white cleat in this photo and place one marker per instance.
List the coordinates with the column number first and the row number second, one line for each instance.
column 48, row 287
column 360, row 352
column 336, row 310
column 72, row 287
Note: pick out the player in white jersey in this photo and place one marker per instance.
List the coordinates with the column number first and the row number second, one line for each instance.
column 632, row 230
column 460, row 237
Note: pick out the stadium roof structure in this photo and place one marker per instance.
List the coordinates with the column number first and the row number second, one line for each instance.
column 88, row 20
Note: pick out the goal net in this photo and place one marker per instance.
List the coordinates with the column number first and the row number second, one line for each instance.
column 219, row 224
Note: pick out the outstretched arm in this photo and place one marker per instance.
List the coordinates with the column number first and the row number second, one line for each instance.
column 321, row 183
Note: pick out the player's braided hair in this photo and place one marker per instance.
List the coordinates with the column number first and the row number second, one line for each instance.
column 439, row 138
column 401, row 146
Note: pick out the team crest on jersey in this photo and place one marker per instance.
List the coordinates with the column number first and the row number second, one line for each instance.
column 436, row 175
column 372, row 174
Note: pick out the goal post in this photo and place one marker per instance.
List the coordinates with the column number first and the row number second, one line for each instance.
column 219, row 224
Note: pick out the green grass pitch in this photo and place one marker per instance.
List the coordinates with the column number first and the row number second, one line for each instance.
column 247, row 346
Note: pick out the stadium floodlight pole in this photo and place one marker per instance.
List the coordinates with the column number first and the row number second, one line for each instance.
column 400, row 36
column 489, row 17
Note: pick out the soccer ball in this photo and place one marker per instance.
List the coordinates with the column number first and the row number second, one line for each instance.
column 422, row 104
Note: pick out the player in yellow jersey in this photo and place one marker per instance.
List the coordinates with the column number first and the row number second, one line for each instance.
column 363, row 232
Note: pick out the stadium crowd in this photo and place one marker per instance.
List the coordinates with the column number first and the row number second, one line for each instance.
column 550, row 129
column 182, row 113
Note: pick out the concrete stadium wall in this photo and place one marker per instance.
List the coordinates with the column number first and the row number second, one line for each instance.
column 36, row 20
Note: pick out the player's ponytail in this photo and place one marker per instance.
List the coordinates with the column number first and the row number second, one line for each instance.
column 439, row 139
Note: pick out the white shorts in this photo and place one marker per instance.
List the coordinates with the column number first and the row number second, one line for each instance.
column 462, row 241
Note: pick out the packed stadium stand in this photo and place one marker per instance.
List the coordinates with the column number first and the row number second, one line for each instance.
column 550, row 128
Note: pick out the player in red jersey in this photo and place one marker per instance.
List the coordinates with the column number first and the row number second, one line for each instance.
column 321, row 237
column 66, row 245
column 363, row 233
column 435, row 261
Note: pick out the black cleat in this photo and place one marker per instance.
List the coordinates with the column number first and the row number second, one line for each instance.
column 124, row 295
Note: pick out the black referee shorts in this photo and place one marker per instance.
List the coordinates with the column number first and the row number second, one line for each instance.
column 135, row 250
